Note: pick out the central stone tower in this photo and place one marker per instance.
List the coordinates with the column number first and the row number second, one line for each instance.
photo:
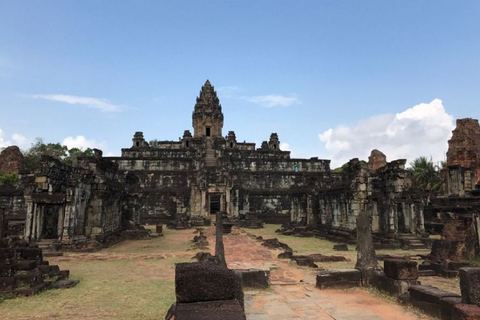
column 207, row 118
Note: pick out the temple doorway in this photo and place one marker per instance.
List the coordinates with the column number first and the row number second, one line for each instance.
column 214, row 203
column 50, row 223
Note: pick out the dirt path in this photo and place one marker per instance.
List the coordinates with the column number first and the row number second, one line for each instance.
column 293, row 295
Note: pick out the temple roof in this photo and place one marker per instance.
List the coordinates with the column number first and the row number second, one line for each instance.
column 207, row 101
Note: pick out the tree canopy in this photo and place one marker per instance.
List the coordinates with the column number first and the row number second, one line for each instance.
column 427, row 176
column 33, row 155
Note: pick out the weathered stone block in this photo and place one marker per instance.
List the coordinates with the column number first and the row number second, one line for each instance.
column 429, row 308
column 28, row 278
column 64, row 284
column 429, row 294
column 210, row 310
column 196, row 282
column 391, row 286
column 345, row 278
column 253, row 278
column 7, row 270
column 30, row 253
column 340, row 247
column 446, row 307
column 304, row 261
column 5, row 254
column 400, row 269
column 470, row 285
column 41, row 179
column 27, row 264
column 50, row 270
column 466, row 312
column 7, row 283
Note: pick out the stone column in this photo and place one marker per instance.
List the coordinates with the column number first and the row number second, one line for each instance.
column 219, row 248
column 366, row 259
column 2, row 223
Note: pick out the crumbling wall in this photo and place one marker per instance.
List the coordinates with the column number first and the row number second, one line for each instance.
column 11, row 161
column 463, row 158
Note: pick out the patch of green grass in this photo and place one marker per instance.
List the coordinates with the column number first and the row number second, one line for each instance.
column 120, row 289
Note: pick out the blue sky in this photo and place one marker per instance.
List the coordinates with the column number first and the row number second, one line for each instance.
column 334, row 79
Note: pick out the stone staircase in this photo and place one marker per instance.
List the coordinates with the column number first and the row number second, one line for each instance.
column 50, row 247
column 411, row 241
column 210, row 159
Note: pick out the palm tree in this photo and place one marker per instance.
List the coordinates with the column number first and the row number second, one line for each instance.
column 427, row 177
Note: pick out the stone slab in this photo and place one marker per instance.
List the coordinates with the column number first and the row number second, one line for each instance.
column 210, row 310
column 391, row 286
column 344, row 278
column 446, row 307
column 470, row 285
column 197, row 282
column 466, row 312
column 254, row 278
column 400, row 269
column 429, row 294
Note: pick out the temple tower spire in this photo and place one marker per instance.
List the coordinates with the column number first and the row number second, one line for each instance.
column 207, row 118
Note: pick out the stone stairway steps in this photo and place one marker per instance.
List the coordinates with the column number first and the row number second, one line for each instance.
column 411, row 241
column 210, row 159
column 50, row 247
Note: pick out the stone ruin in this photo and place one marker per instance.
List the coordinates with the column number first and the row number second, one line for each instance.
column 399, row 277
column 456, row 215
column 184, row 182
column 24, row 272
column 384, row 189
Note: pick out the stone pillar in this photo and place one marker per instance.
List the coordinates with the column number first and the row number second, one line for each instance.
column 366, row 259
column 219, row 248
column 470, row 285
column 2, row 223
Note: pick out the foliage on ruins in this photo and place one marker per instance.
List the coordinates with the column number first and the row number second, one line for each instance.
column 8, row 179
column 427, row 176
column 33, row 155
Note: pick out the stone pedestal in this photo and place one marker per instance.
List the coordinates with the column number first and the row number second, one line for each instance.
column 366, row 259
column 470, row 285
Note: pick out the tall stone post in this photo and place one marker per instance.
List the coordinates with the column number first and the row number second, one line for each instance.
column 219, row 248
column 366, row 259
column 2, row 223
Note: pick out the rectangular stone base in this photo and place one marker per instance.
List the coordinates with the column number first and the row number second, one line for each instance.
column 392, row 286
column 210, row 310
column 339, row 279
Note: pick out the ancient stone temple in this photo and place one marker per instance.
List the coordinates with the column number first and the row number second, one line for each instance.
column 458, row 212
column 208, row 172
column 463, row 158
column 203, row 173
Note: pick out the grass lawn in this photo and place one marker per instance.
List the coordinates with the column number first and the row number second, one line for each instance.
column 135, row 279
column 132, row 280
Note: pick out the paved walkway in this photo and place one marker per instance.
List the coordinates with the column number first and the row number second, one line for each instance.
column 293, row 295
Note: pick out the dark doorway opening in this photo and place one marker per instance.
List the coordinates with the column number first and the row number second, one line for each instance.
column 207, row 131
column 50, row 223
column 215, row 203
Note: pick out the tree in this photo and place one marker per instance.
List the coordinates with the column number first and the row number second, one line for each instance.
column 33, row 155
column 74, row 153
column 427, row 176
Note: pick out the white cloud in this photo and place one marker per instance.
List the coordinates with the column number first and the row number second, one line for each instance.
column 273, row 100
column 228, row 91
column 82, row 143
column 19, row 139
column 96, row 103
column 3, row 143
column 285, row 146
column 422, row 130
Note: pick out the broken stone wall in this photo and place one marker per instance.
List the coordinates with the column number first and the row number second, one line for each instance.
column 463, row 158
column 74, row 203
column 386, row 193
